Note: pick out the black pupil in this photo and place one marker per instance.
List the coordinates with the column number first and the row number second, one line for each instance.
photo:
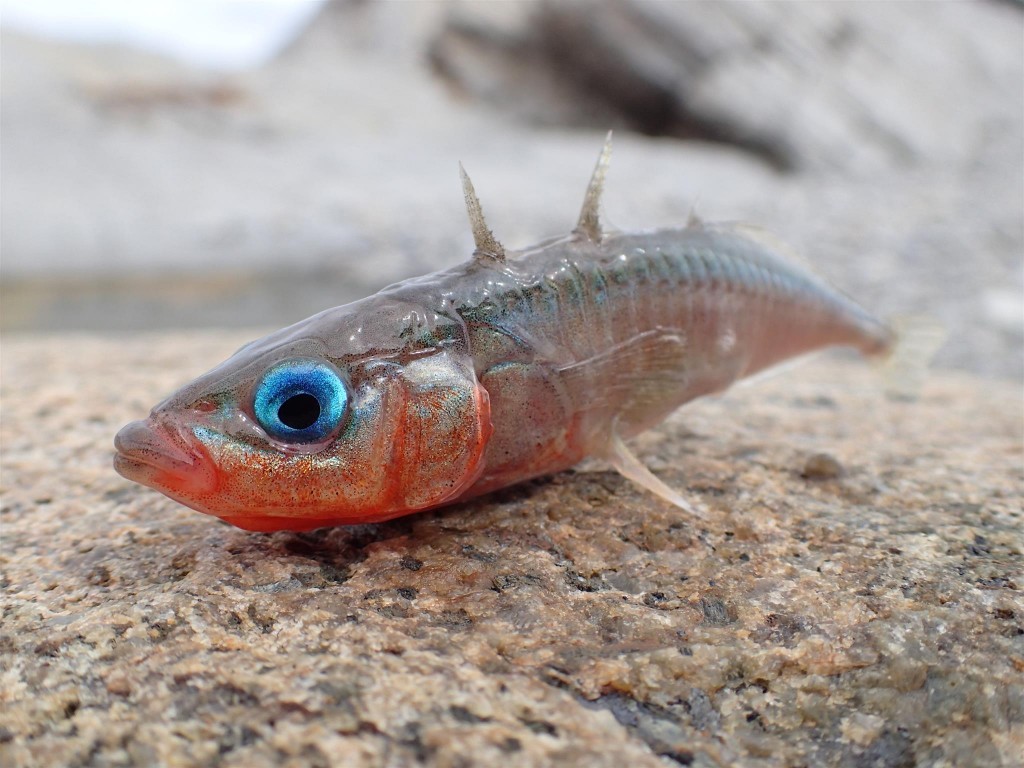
column 299, row 411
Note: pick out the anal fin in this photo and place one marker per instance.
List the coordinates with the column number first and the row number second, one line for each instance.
column 629, row 466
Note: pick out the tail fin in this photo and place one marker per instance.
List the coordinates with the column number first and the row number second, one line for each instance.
column 905, row 368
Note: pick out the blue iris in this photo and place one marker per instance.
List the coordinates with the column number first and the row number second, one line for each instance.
column 300, row 401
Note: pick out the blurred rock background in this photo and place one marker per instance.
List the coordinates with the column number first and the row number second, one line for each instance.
column 884, row 141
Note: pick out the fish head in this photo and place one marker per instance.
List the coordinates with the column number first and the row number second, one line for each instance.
column 360, row 414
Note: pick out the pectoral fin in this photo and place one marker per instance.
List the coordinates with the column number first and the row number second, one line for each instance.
column 630, row 467
column 637, row 382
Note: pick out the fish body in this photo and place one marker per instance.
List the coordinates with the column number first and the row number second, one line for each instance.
column 504, row 368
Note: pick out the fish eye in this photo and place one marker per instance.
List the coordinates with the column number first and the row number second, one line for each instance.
column 300, row 401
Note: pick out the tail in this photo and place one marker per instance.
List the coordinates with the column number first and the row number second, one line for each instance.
column 914, row 340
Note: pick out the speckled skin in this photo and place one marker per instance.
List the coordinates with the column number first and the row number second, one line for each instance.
column 575, row 339
column 490, row 373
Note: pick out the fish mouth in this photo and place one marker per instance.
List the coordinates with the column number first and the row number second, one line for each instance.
column 160, row 456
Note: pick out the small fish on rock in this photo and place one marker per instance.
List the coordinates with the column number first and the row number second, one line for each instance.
column 512, row 365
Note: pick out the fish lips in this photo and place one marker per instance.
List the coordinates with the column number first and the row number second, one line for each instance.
column 159, row 455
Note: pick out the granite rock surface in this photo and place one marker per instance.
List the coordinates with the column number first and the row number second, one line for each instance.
column 852, row 596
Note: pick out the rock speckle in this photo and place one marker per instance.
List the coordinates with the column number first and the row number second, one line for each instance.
column 822, row 466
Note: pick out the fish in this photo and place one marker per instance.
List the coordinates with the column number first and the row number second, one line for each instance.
column 507, row 367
